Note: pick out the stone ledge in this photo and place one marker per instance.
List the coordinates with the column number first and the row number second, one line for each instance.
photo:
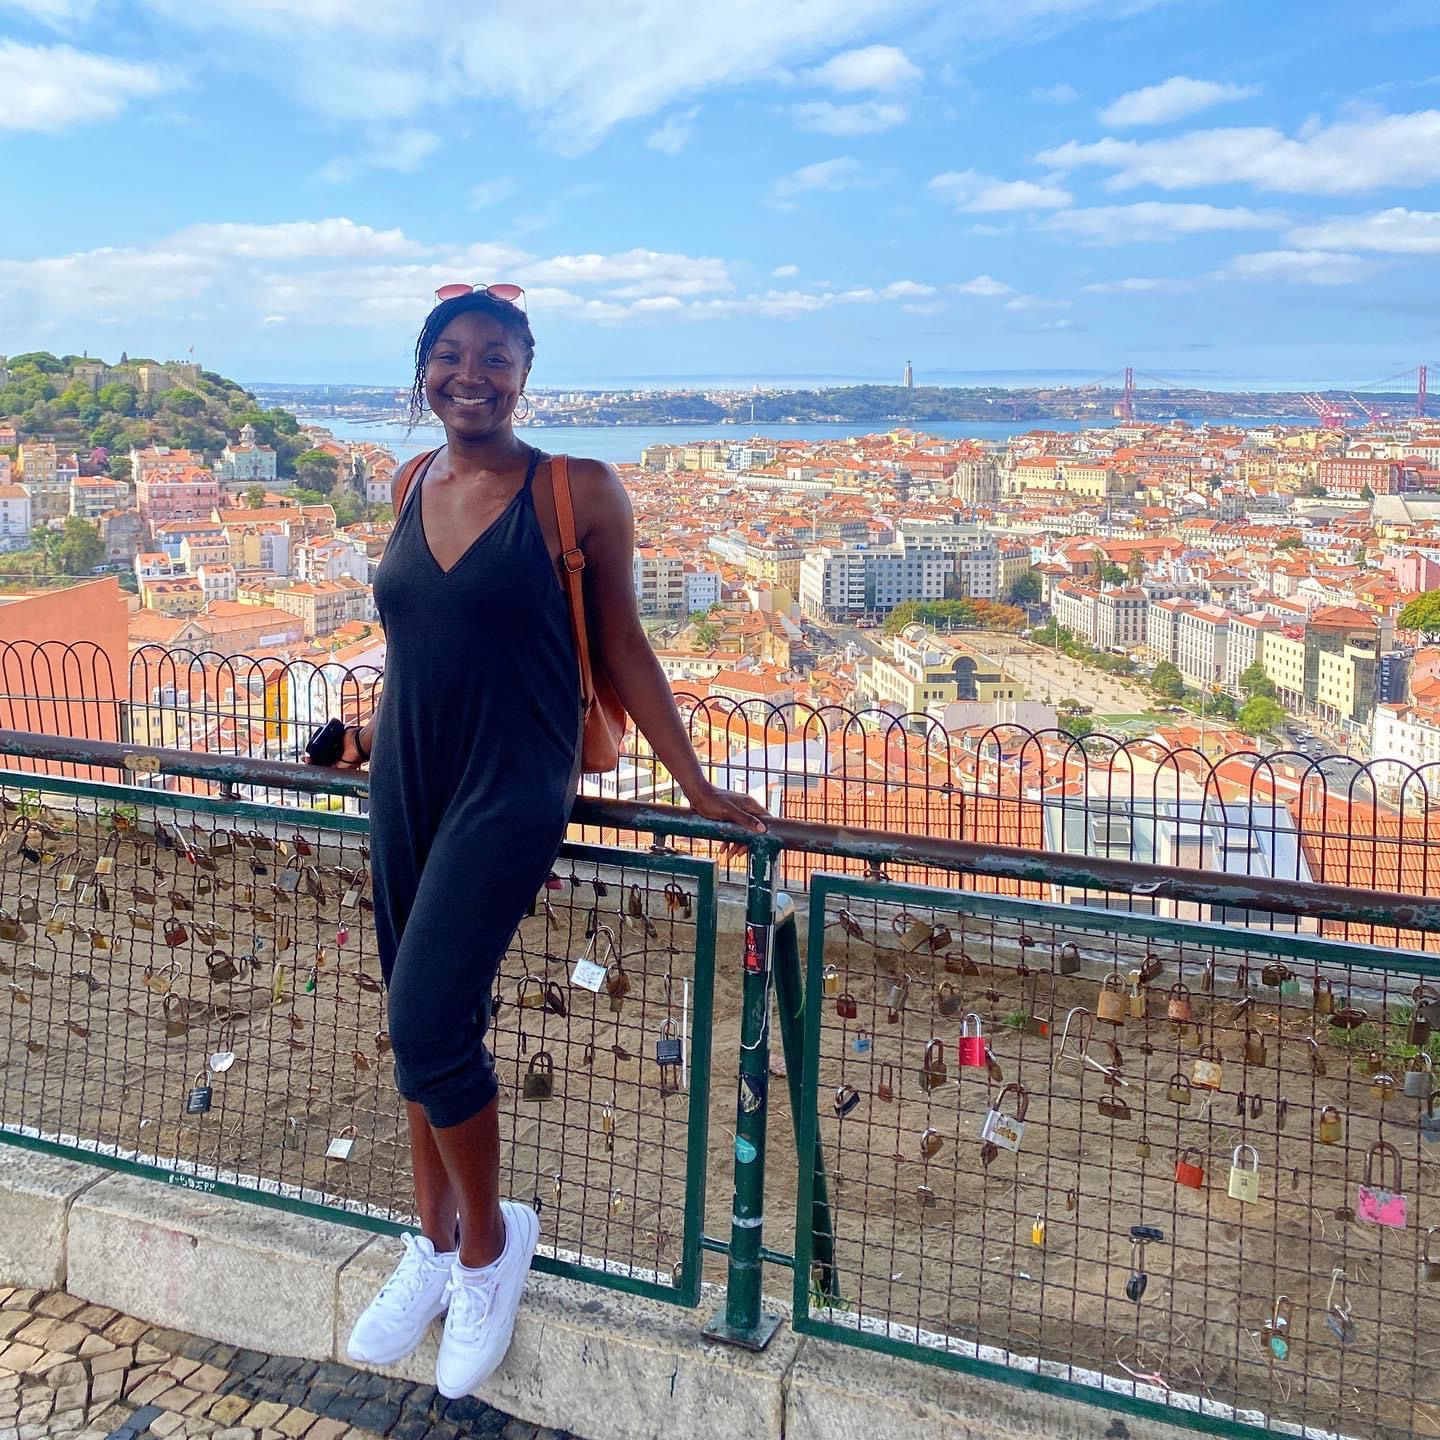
column 605, row 1365
column 835, row 1392
column 233, row 1271
column 36, row 1193
column 601, row 1364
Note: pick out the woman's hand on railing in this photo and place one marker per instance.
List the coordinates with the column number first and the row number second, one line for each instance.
column 713, row 803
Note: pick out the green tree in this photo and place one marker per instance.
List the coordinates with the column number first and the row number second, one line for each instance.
column 317, row 470
column 1367, row 494
column 183, row 402
column 255, row 496
column 1222, row 706
column 1422, row 614
column 1025, row 590
column 116, row 398
column 1290, row 542
column 1077, row 725
column 119, row 467
column 80, row 547
column 1254, row 681
column 707, row 634
column 1112, row 575
column 1135, row 570
column 1166, row 680
column 1260, row 715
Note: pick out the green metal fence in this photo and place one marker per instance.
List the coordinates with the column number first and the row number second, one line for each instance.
column 1210, row 1189
column 193, row 993
column 1191, row 1047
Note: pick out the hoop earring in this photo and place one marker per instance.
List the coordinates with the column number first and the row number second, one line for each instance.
column 515, row 414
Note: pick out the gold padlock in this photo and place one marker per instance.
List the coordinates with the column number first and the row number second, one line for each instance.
column 1254, row 1048
column 1111, row 1003
column 933, row 1073
column 1208, row 1073
column 1037, row 1230
column 1331, row 1126
column 830, row 982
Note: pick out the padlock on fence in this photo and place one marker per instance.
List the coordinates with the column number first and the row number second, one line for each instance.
column 199, row 1096
column 539, row 1083
column 830, row 982
column 1003, row 1130
column 1420, row 1077
column 1380, row 1199
column 932, row 1070
column 1110, row 1005
column 1430, row 1121
column 1179, row 1009
column 971, row 1045
column 1277, row 1332
column 1245, row 1179
column 1332, row 1128
column 847, row 1097
column 1180, row 1092
column 1207, row 1073
column 1188, row 1172
column 669, row 1047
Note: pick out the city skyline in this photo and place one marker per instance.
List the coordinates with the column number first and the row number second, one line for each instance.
column 1042, row 187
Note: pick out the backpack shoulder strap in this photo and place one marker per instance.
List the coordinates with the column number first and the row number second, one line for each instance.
column 401, row 488
column 572, row 557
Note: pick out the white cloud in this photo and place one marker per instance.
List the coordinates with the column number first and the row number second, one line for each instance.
column 636, row 274
column 984, row 285
column 785, row 272
column 53, row 87
column 275, row 320
column 1133, row 285
column 866, row 118
column 1348, row 157
column 969, row 190
column 1152, row 220
column 403, row 150
column 492, row 192
column 673, row 134
column 1036, row 302
column 1393, row 232
column 837, row 174
column 577, row 69
column 875, row 67
column 1298, row 267
column 1172, row 99
column 296, row 240
column 1061, row 93
column 903, row 289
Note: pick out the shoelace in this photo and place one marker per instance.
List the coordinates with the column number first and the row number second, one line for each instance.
column 470, row 1306
column 404, row 1286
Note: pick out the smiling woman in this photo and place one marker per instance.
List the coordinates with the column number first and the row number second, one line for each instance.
column 477, row 751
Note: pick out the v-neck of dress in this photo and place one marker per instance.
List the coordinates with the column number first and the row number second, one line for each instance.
column 481, row 537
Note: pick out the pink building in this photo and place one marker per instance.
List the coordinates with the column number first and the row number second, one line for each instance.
column 187, row 492
column 1414, row 571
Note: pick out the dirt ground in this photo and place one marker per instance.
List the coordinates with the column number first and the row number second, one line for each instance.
column 109, row 1027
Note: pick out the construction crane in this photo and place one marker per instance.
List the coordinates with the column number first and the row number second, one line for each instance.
column 1332, row 417
column 1372, row 417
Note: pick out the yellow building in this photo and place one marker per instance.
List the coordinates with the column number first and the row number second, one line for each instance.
column 1284, row 662
column 180, row 596
column 923, row 670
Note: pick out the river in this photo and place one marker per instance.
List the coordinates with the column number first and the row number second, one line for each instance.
column 621, row 444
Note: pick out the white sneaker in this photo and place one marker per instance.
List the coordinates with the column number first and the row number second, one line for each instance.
column 482, row 1308
column 394, row 1322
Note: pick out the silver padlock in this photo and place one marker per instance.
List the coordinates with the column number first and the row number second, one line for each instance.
column 1420, row 1077
column 1245, row 1180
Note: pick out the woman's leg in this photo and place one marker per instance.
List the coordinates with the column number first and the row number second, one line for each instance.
column 471, row 1156
column 435, row 1199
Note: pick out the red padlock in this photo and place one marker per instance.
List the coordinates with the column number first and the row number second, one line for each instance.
column 1189, row 1172
column 972, row 1043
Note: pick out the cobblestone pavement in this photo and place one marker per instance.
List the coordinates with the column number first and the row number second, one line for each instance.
column 83, row 1371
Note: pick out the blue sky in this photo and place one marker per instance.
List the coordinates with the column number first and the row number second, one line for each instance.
column 1230, row 191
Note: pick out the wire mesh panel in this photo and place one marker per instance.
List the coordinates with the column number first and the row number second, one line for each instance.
column 1181, row 1168
column 191, row 989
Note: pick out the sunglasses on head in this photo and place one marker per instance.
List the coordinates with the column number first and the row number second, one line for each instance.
column 513, row 293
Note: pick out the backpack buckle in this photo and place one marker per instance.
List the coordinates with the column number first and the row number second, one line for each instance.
column 573, row 560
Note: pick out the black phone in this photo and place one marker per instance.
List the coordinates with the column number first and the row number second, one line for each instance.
column 327, row 743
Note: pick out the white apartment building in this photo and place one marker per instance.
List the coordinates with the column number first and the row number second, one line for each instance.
column 1162, row 628
column 14, row 515
column 1120, row 619
column 217, row 581
column 701, row 589
column 92, row 495
column 659, row 575
column 977, row 559
column 856, row 580
column 1201, row 644
column 330, row 559
column 1246, row 646
column 1409, row 738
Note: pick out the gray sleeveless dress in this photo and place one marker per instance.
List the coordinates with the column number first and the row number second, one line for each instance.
column 474, row 766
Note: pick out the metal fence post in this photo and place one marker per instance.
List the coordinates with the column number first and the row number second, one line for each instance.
column 742, row 1322
column 790, row 1003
